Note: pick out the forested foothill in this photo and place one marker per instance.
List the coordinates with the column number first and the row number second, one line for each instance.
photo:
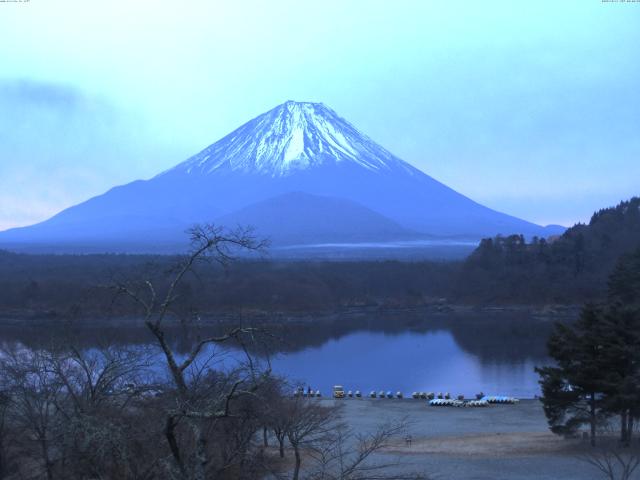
column 570, row 269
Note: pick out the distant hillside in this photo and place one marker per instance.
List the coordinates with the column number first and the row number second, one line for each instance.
column 573, row 266
column 299, row 218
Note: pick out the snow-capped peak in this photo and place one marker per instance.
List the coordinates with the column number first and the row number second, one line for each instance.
column 291, row 137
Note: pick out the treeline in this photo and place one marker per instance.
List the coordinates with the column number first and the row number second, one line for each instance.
column 597, row 373
column 105, row 413
column 504, row 270
column 568, row 269
column 67, row 285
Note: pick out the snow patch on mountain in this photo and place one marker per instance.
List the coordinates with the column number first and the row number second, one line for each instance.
column 293, row 136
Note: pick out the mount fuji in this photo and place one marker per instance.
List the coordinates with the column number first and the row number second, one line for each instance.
column 299, row 173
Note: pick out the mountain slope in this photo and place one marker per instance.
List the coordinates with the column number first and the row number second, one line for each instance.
column 296, row 147
column 301, row 218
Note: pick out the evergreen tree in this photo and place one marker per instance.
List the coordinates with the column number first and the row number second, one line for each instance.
column 573, row 389
column 622, row 344
column 624, row 282
column 597, row 372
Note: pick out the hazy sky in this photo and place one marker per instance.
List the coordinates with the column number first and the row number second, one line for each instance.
column 532, row 108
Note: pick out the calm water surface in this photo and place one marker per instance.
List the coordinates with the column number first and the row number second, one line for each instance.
column 494, row 355
column 410, row 361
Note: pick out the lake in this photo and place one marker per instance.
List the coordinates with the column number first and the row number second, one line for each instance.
column 410, row 361
column 460, row 354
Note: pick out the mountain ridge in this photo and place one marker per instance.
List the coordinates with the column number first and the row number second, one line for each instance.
column 295, row 147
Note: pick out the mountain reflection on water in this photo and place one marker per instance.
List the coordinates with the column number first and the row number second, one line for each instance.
column 408, row 352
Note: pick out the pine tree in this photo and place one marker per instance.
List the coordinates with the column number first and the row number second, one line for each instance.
column 598, row 360
column 622, row 374
column 573, row 389
column 622, row 343
column 624, row 282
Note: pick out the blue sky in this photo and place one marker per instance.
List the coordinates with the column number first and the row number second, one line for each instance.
column 532, row 108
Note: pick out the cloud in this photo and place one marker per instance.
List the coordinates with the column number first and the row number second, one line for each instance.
column 30, row 93
column 53, row 138
column 60, row 145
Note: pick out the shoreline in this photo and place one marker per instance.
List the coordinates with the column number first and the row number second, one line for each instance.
column 438, row 311
column 500, row 441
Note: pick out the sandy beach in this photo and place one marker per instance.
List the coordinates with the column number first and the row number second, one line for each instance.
column 510, row 442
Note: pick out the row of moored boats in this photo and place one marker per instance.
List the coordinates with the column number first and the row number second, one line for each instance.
column 435, row 399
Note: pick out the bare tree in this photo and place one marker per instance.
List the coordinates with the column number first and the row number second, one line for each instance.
column 352, row 456
column 105, row 412
column 198, row 401
column 33, row 395
column 4, row 440
column 104, row 375
column 71, row 413
column 274, row 413
column 613, row 463
column 309, row 424
column 279, row 424
column 614, row 459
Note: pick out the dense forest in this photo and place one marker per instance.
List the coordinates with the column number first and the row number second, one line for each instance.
column 569, row 269
column 62, row 286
